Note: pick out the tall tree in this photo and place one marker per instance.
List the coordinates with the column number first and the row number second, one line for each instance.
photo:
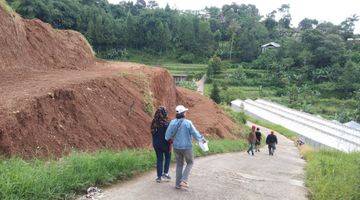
column 347, row 27
column 215, row 93
column 307, row 23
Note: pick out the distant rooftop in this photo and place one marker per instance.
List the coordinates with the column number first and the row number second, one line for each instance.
column 271, row 44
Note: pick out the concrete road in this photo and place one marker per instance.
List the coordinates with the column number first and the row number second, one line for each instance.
column 227, row 176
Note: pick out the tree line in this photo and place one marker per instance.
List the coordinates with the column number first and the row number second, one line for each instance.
column 312, row 53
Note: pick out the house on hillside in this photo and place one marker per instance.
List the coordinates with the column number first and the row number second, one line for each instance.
column 270, row 45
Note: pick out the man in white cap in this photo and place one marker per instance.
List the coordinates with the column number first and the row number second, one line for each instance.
column 181, row 131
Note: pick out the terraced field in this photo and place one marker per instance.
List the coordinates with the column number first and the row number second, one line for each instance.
column 180, row 68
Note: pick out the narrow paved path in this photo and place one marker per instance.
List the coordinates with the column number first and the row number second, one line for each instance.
column 227, row 176
column 201, row 85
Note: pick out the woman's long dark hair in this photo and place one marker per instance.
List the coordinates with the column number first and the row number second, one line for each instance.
column 160, row 119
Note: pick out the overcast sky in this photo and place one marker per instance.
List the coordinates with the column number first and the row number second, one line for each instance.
column 334, row 11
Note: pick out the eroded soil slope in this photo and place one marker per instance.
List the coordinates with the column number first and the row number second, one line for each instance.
column 56, row 97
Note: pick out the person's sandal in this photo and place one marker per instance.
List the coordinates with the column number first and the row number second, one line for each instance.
column 184, row 184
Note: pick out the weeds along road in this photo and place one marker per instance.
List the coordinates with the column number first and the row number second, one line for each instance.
column 227, row 176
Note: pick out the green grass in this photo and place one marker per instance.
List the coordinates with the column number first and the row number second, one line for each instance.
column 180, row 68
column 5, row 6
column 231, row 93
column 61, row 179
column 333, row 175
column 73, row 174
column 280, row 129
column 237, row 117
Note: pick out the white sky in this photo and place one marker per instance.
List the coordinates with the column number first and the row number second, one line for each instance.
column 334, row 11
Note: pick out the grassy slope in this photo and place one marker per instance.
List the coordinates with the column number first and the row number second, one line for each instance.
column 333, row 175
column 62, row 179
column 5, row 6
column 179, row 68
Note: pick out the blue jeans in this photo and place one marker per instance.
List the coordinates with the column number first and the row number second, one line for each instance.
column 272, row 148
column 162, row 168
column 251, row 148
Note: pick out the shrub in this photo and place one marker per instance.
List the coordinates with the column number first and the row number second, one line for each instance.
column 215, row 94
column 238, row 117
column 187, row 58
column 191, row 85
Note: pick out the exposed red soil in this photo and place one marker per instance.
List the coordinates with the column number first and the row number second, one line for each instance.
column 56, row 97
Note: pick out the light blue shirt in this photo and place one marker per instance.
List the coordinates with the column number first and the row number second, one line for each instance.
column 183, row 137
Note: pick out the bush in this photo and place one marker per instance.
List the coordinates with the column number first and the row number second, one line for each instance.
column 191, row 85
column 113, row 54
column 231, row 94
column 215, row 94
column 195, row 75
column 187, row 58
column 237, row 117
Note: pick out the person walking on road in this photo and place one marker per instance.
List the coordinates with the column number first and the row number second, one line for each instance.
column 251, row 140
column 258, row 140
column 162, row 147
column 181, row 131
column 271, row 141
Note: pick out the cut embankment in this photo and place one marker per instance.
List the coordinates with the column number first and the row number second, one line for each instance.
column 333, row 175
column 106, row 112
column 62, row 179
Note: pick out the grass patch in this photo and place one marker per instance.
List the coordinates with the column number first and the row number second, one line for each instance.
column 62, row 179
column 189, row 69
column 5, row 6
column 280, row 129
column 332, row 175
column 237, row 117
column 191, row 85
column 143, row 82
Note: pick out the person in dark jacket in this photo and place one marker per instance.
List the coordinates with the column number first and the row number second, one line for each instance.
column 258, row 140
column 271, row 141
column 162, row 147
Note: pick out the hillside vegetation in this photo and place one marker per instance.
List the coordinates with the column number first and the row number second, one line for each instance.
column 316, row 68
column 333, row 175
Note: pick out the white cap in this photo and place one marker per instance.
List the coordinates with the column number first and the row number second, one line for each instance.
column 180, row 109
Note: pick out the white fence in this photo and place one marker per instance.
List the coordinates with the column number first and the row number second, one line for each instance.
column 315, row 131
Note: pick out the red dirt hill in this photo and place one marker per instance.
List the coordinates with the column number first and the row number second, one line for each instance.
column 56, row 97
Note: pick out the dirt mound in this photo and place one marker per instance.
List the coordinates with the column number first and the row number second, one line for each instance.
column 207, row 116
column 55, row 97
column 108, row 111
column 34, row 45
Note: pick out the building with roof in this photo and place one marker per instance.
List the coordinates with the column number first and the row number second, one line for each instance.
column 270, row 45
